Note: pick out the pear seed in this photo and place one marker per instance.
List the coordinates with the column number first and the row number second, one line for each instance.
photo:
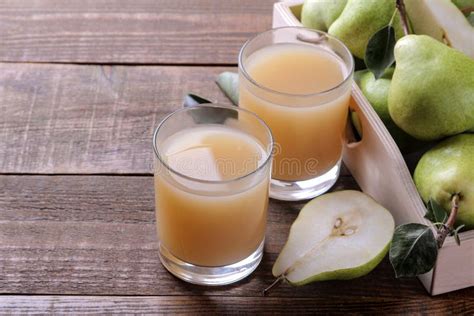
column 349, row 232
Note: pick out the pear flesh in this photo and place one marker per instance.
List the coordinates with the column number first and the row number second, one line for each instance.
column 340, row 235
column 442, row 20
column 432, row 91
column 448, row 169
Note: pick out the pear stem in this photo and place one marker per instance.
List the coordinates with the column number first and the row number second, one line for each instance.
column 403, row 16
column 467, row 10
column 274, row 284
column 446, row 229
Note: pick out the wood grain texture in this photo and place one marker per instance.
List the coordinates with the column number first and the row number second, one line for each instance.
column 120, row 31
column 90, row 119
column 86, row 244
column 95, row 235
column 71, row 119
column 199, row 305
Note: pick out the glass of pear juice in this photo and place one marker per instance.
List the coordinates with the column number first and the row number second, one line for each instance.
column 212, row 178
column 299, row 82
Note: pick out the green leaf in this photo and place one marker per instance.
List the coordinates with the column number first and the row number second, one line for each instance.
column 229, row 83
column 191, row 99
column 455, row 233
column 430, row 214
column 470, row 18
column 458, row 229
column 456, row 238
column 413, row 250
column 379, row 52
column 440, row 215
column 207, row 115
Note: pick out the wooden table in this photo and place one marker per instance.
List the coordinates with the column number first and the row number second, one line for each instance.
column 82, row 86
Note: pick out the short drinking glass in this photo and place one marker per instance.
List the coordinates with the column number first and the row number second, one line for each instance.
column 212, row 176
column 299, row 82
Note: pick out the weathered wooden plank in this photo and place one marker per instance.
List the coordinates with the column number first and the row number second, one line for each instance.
column 90, row 119
column 101, row 199
column 199, row 305
column 95, row 235
column 139, row 31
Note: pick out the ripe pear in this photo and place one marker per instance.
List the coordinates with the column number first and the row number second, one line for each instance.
column 443, row 20
column 320, row 14
column 360, row 19
column 376, row 92
column 432, row 90
column 337, row 236
column 448, row 169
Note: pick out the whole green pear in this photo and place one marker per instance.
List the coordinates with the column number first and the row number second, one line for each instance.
column 376, row 92
column 360, row 19
column 320, row 14
column 448, row 169
column 432, row 90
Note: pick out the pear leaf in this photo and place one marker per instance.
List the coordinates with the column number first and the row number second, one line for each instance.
column 436, row 212
column 208, row 115
column 379, row 52
column 458, row 229
column 229, row 84
column 413, row 250
column 457, row 239
column 191, row 99
column 455, row 233
column 429, row 214
column 470, row 18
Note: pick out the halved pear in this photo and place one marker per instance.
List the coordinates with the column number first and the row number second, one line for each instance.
column 442, row 20
column 337, row 236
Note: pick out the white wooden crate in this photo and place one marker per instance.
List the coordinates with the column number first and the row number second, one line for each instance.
column 380, row 170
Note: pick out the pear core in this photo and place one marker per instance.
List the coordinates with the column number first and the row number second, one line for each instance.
column 340, row 235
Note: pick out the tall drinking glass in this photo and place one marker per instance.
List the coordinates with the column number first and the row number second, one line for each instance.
column 212, row 176
column 299, row 82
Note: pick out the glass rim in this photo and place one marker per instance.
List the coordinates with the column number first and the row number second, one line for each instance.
column 269, row 153
column 298, row 95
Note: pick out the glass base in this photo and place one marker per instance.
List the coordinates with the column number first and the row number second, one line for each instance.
column 304, row 190
column 210, row 275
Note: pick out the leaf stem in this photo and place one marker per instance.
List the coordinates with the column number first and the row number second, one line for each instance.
column 274, row 284
column 403, row 16
column 446, row 229
column 393, row 17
